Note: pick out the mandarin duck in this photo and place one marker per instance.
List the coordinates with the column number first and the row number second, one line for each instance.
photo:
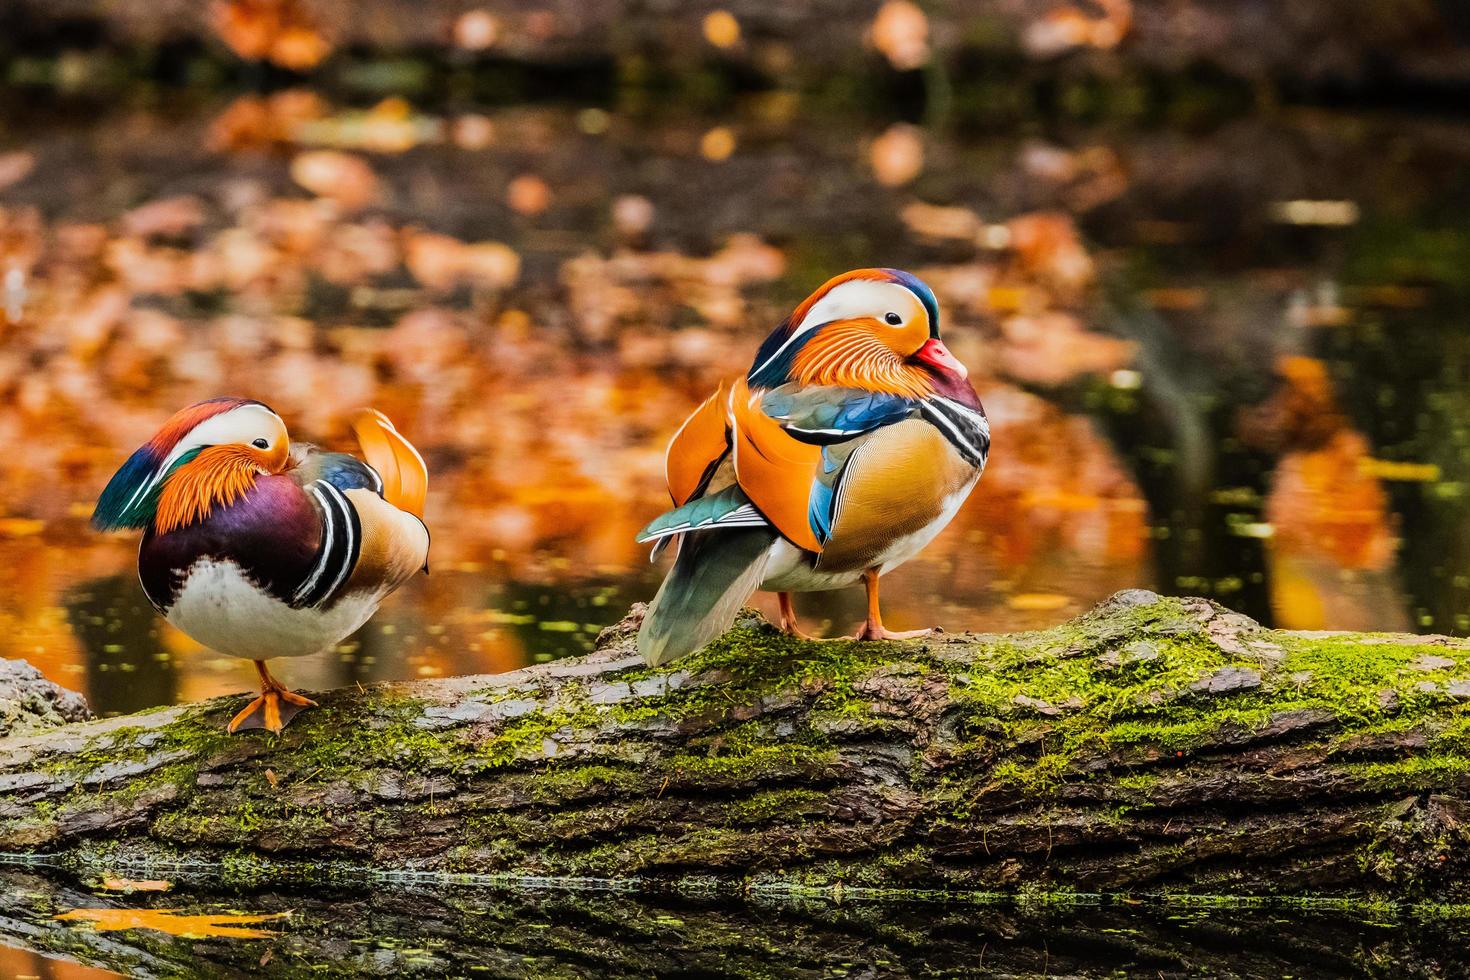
column 850, row 444
column 258, row 547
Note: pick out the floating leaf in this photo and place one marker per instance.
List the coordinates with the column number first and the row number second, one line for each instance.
column 897, row 156
column 717, row 144
column 721, row 29
column 340, row 177
column 528, row 194
column 900, row 32
column 476, row 30
column 227, row 925
column 132, row 885
column 1037, row 601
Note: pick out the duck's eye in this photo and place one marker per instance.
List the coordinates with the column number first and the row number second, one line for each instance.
column 892, row 319
column 260, row 444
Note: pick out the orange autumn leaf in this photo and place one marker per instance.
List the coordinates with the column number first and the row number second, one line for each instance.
column 279, row 31
column 441, row 261
column 721, row 29
column 900, row 32
column 134, row 885
column 225, row 925
column 476, row 30
column 1048, row 246
column 1069, row 27
column 528, row 195
column 717, row 144
column 20, row 527
column 1037, row 601
column 341, row 177
column 897, row 156
column 254, row 123
column 1326, row 502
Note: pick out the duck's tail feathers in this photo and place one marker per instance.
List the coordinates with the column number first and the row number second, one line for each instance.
column 715, row 573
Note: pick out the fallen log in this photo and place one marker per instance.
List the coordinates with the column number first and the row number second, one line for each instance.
column 1153, row 745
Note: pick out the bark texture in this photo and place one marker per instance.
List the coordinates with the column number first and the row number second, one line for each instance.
column 29, row 701
column 1153, row 745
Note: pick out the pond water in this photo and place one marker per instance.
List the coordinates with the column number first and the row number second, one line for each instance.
column 1222, row 359
column 414, row 930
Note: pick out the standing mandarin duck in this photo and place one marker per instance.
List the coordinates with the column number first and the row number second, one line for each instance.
column 261, row 548
column 849, row 445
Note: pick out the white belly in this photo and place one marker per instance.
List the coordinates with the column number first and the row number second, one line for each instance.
column 222, row 609
column 788, row 568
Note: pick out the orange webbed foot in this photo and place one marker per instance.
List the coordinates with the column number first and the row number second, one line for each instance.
column 271, row 711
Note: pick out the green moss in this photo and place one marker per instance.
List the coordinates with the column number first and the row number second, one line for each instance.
column 1415, row 773
column 776, row 804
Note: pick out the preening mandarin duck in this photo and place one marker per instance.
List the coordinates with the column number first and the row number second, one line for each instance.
column 849, row 445
column 261, row 548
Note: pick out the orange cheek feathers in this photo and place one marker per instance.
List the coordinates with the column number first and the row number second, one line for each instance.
column 218, row 476
column 857, row 354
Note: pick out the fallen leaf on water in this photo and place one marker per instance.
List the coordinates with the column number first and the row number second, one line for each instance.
column 528, row 194
column 940, row 222
column 897, row 156
column 1324, row 213
column 20, row 527
column 1037, row 601
column 900, row 32
column 1070, row 27
column 279, row 31
column 476, row 30
column 717, row 144
column 132, row 885
column 227, row 925
column 721, row 29
column 15, row 167
column 1399, row 471
column 341, row 177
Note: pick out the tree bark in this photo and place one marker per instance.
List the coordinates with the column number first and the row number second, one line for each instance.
column 1153, row 745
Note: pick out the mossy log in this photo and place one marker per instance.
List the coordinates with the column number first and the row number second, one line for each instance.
column 1153, row 745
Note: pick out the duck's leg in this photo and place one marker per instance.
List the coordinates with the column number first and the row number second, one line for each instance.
column 275, row 707
column 788, row 618
column 873, row 629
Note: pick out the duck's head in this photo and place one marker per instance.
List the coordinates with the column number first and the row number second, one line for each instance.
column 206, row 455
column 875, row 329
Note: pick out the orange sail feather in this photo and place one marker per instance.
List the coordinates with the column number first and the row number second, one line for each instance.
column 775, row 471
column 405, row 477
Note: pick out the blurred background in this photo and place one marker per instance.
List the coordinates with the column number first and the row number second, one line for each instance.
column 1208, row 263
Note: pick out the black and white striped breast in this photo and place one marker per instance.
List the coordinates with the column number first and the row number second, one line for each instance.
column 966, row 429
column 341, row 544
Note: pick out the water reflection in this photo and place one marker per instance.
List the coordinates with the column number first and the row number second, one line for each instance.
column 1210, row 369
column 127, row 664
column 400, row 930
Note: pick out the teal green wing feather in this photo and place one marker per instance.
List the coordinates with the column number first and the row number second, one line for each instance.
column 729, row 507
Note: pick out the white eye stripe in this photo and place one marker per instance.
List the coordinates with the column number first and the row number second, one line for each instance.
column 849, row 300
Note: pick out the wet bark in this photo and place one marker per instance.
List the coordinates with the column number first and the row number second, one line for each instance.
column 1152, row 745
